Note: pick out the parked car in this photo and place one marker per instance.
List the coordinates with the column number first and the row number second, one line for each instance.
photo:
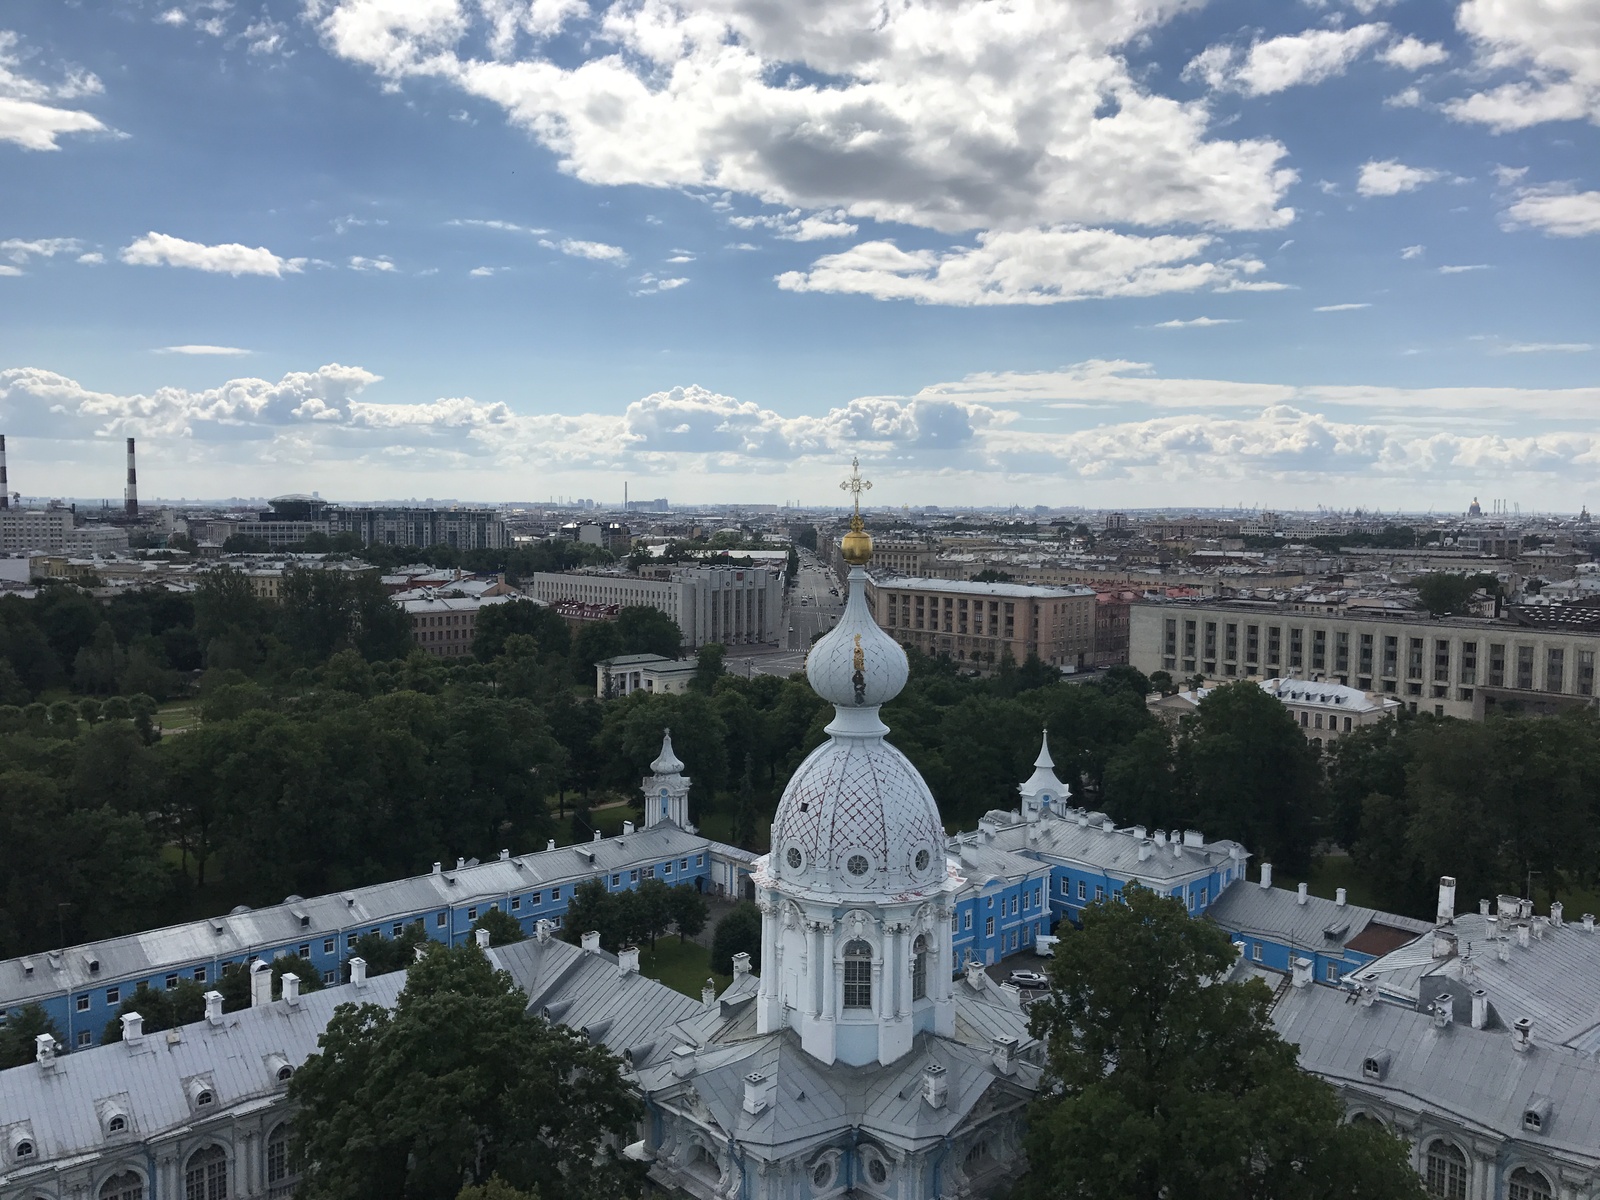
column 1027, row 979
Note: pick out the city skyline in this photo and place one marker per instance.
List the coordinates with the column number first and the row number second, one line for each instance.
column 1124, row 256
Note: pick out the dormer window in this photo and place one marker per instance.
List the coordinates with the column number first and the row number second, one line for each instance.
column 203, row 1098
column 23, row 1150
column 1375, row 1066
column 284, row 1073
column 117, row 1124
column 1536, row 1116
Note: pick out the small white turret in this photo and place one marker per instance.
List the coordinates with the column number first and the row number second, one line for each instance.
column 1043, row 793
column 666, row 790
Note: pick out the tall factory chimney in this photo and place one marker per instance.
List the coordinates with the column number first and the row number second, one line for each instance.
column 5, row 484
column 130, row 494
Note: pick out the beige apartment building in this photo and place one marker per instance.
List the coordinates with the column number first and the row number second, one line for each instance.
column 976, row 623
column 1451, row 666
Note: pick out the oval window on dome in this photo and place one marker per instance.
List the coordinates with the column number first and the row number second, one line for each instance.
column 857, row 864
column 921, row 861
column 794, row 858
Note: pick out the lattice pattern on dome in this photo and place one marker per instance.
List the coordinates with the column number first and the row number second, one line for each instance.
column 857, row 795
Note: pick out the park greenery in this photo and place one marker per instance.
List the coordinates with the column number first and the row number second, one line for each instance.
column 314, row 749
column 459, row 1086
column 635, row 916
column 1166, row 1079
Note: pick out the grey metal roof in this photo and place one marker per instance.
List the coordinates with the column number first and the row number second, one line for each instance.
column 1062, row 837
column 154, row 951
column 1277, row 914
column 1474, row 1076
column 147, row 1080
column 1554, row 982
column 813, row 1101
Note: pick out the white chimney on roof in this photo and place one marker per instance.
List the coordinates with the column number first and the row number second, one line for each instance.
column 1588, row 922
column 1339, row 896
column 627, row 827
column 591, row 941
column 935, row 1087
column 1005, row 1053
column 544, row 929
column 708, row 993
column 1522, row 1035
column 596, row 835
column 741, row 965
column 1266, row 875
column 1301, row 975
column 481, row 938
column 1444, row 1010
column 628, row 960
column 1480, row 1008
column 1447, row 899
column 214, row 1008
column 44, row 1051
column 1523, row 933
column 358, row 971
column 132, row 1028
column 550, row 845
column 291, row 989
column 1556, row 914
column 757, row 1093
column 438, row 867
column 1146, row 849
column 1301, row 894
column 260, row 983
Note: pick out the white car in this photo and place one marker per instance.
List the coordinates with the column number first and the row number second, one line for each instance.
column 1027, row 979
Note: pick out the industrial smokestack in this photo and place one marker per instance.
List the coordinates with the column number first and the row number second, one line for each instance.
column 130, row 494
column 5, row 485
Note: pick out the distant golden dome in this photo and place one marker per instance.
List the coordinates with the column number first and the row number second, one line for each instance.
column 856, row 546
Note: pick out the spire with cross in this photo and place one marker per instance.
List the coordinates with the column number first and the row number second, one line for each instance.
column 855, row 485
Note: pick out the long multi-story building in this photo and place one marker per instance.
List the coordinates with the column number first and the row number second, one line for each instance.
column 977, row 624
column 444, row 626
column 1450, row 666
column 735, row 606
column 55, row 530
column 462, row 528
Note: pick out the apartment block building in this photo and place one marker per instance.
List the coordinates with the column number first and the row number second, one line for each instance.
column 463, row 528
column 735, row 606
column 977, row 623
column 1450, row 666
column 55, row 530
column 445, row 626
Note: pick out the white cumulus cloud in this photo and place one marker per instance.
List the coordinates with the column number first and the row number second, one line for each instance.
column 1558, row 211
column 1035, row 266
column 1196, row 323
column 1389, row 177
column 230, row 258
column 1551, row 50
column 381, row 263
column 596, row 251
column 204, row 351
column 1279, row 63
column 1412, row 54
column 33, row 113
column 795, row 226
column 1339, row 307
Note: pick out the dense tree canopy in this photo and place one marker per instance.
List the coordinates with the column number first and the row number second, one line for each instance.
column 456, row 1085
column 1164, row 1081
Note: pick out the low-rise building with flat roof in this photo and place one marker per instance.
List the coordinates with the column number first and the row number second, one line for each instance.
column 977, row 624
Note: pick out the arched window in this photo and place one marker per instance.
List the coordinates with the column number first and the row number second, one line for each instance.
column 857, row 974
column 919, row 969
column 206, row 1175
column 1528, row 1185
column 126, row 1186
column 278, row 1155
column 1445, row 1171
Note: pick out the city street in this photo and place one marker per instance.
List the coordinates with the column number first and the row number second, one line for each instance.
column 812, row 607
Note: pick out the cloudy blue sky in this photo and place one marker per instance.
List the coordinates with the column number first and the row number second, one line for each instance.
column 1112, row 252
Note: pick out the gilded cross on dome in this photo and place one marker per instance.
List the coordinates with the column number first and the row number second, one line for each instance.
column 856, row 546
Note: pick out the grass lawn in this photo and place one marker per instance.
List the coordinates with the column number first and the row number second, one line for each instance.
column 682, row 966
column 178, row 716
column 608, row 820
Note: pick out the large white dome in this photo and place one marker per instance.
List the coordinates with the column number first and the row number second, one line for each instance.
column 857, row 818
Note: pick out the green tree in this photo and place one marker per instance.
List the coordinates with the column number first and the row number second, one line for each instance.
column 1444, row 594
column 646, row 630
column 502, row 926
column 745, row 817
column 708, row 667
column 17, row 1044
column 688, row 909
column 1164, row 1081
column 454, row 1085
column 383, row 955
column 1256, row 779
column 496, row 622
column 739, row 932
column 596, row 641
